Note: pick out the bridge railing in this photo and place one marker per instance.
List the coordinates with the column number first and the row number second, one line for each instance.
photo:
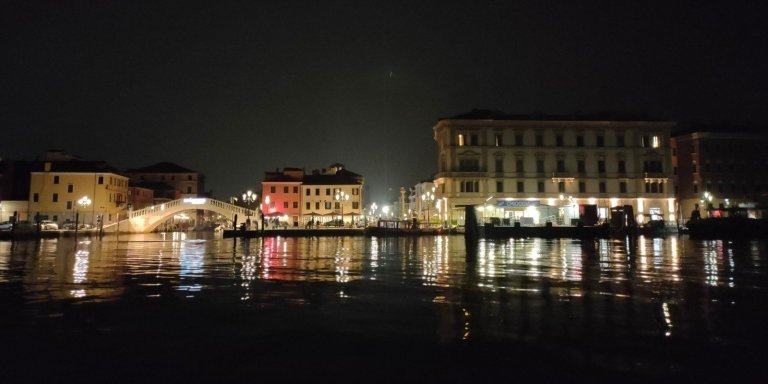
column 193, row 203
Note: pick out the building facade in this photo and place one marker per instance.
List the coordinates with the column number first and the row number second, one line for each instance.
column 169, row 180
column 537, row 170
column 91, row 191
column 330, row 195
column 719, row 170
column 281, row 198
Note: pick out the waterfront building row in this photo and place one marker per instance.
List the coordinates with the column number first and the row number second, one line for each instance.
column 300, row 199
column 65, row 188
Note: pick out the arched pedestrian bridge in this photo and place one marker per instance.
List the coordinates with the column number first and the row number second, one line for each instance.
column 148, row 219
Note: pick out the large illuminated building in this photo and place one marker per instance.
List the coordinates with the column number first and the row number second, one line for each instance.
column 537, row 169
column 720, row 172
column 89, row 191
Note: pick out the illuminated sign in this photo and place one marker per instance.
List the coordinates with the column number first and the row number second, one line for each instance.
column 195, row 200
column 516, row 203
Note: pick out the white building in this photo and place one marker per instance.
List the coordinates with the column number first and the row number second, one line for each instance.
column 533, row 170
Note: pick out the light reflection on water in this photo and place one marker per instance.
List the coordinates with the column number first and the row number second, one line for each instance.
column 557, row 291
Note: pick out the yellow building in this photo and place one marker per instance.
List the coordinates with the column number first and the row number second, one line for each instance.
column 60, row 190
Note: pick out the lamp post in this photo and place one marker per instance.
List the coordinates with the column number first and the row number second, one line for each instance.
column 428, row 198
column 84, row 202
column 341, row 197
column 248, row 199
column 373, row 210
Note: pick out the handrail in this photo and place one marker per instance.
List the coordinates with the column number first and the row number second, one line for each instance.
column 192, row 205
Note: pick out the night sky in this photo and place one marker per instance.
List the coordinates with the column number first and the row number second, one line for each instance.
column 233, row 89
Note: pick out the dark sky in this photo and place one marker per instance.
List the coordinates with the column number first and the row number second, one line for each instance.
column 235, row 88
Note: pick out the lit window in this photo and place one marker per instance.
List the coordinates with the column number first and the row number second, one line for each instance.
column 461, row 140
column 655, row 141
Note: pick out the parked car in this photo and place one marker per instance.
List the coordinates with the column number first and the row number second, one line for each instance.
column 70, row 226
column 6, row 226
column 48, row 225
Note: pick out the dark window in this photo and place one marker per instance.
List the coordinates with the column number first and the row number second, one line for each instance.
column 327, row 191
column 601, row 166
column 582, row 187
column 579, row 141
column 307, row 205
column 518, row 139
column 561, row 186
column 55, row 179
column 561, row 165
column 469, row 165
column 600, row 141
column 499, row 165
column 35, row 198
column 327, row 205
column 296, row 189
column 317, row 191
column 559, row 140
column 295, row 204
column 317, row 205
column 55, row 197
column 696, row 188
column 101, row 180
column 285, row 204
column 355, row 205
column 540, row 187
column 620, row 140
column 539, row 140
column 622, row 187
column 285, row 189
column 336, row 205
column 272, row 189
column 498, row 140
column 519, row 165
column 499, row 186
column 581, row 166
column 69, row 205
column 622, row 166
column 189, row 177
column 189, row 189
column 540, row 166
column 473, row 140
column 520, row 187
column 70, row 188
column 602, row 187
column 355, row 191
column 308, row 192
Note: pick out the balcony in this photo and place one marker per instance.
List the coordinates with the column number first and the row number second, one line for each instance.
column 563, row 177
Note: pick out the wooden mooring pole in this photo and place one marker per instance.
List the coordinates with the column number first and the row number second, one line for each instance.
column 471, row 232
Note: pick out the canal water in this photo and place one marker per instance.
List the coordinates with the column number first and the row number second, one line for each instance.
column 198, row 308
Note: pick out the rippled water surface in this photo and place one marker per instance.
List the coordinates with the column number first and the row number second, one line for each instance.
column 194, row 307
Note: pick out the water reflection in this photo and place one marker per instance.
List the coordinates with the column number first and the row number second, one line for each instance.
column 524, row 290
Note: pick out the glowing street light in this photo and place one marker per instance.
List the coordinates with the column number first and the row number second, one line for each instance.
column 84, row 203
column 248, row 199
column 385, row 210
column 428, row 198
column 341, row 196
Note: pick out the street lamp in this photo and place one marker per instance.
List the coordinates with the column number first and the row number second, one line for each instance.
column 248, row 199
column 341, row 196
column 428, row 198
column 84, row 202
